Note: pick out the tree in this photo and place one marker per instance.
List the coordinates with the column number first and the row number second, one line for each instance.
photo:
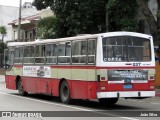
column 46, row 28
column 122, row 15
column 94, row 16
column 76, row 16
column 3, row 32
column 154, row 24
column 2, row 47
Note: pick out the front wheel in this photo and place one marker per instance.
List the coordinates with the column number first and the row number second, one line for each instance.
column 108, row 101
column 65, row 92
column 20, row 89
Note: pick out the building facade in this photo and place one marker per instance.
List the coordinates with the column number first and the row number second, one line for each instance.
column 28, row 31
column 9, row 13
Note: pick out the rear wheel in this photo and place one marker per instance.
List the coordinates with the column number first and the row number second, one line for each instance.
column 20, row 89
column 65, row 92
column 108, row 101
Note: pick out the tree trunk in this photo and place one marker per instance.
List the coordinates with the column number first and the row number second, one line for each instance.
column 2, row 38
column 149, row 17
column 158, row 14
column 158, row 23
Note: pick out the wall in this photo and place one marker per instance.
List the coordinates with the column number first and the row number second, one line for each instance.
column 7, row 14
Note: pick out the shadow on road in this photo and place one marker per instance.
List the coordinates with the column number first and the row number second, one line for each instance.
column 92, row 104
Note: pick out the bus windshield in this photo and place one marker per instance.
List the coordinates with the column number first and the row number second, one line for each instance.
column 126, row 49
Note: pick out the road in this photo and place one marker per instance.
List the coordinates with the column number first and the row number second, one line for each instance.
column 47, row 106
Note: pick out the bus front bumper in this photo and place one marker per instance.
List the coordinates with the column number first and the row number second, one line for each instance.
column 124, row 94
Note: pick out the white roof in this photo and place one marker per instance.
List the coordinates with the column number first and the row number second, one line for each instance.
column 90, row 36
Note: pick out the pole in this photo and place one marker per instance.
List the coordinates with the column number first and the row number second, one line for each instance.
column 19, row 20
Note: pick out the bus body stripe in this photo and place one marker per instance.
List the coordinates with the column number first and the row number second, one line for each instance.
column 92, row 67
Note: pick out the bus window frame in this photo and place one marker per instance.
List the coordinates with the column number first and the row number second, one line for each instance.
column 44, row 57
column 54, row 43
column 79, row 40
column 20, row 63
column 29, row 56
column 67, row 63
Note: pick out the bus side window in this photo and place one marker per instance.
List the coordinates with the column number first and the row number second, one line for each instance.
column 91, row 51
column 79, row 52
column 40, row 54
column 28, row 55
column 64, row 53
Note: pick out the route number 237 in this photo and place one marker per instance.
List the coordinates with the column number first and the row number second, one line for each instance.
column 136, row 64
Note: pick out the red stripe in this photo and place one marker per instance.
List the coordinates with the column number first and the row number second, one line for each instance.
column 126, row 67
column 75, row 67
column 95, row 67
column 18, row 66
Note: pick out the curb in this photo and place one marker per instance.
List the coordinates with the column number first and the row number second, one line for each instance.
column 2, row 78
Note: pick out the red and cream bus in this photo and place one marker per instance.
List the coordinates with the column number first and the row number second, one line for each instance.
column 105, row 66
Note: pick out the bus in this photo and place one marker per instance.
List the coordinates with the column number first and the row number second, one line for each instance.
column 104, row 66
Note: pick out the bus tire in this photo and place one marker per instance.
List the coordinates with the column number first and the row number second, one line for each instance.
column 108, row 101
column 20, row 89
column 65, row 92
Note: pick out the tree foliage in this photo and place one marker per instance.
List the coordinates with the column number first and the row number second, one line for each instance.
column 47, row 28
column 2, row 47
column 90, row 16
column 3, row 32
column 122, row 15
column 153, row 23
column 76, row 16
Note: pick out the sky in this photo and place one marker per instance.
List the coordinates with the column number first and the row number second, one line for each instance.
column 13, row 2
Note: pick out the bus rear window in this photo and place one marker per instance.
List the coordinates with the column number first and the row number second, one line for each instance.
column 127, row 48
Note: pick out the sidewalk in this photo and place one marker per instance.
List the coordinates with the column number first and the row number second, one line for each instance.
column 2, row 78
column 2, row 75
column 158, row 92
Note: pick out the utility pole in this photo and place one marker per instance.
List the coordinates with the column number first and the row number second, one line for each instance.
column 19, row 20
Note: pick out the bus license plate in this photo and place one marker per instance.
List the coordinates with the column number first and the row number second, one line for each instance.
column 127, row 86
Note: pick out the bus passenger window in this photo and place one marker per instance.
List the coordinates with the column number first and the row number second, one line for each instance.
column 51, row 53
column 79, row 51
column 40, row 54
column 28, row 54
column 91, row 51
column 64, row 55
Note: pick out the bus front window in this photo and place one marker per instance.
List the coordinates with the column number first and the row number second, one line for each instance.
column 9, row 58
column 126, row 48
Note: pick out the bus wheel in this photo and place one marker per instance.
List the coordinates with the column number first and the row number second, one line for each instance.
column 65, row 92
column 20, row 89
column 108, row 101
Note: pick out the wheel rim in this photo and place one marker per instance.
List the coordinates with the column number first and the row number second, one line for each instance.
column 20, row 87
column 65, row 93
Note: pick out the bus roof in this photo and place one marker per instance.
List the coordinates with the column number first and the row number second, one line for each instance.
column 78, row 37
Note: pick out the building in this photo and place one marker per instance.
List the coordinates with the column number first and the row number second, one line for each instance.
column 9, row 13
column 28, row 31
column 28, row 26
